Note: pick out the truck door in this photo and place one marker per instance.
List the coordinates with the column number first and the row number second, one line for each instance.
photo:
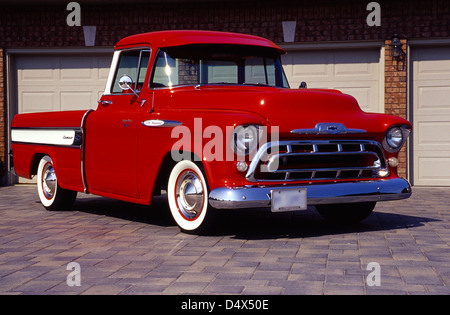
column 110, row 158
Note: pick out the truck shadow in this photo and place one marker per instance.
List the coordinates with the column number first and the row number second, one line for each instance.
column 259, row 225
column 252, row 223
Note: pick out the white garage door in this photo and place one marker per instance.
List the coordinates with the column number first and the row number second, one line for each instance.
column 357, row 72
column 60, row 82
column 431, row 112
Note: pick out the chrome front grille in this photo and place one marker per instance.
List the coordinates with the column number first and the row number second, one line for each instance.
column 318, row 160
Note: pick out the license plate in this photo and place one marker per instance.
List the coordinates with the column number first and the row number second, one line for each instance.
column 289, row 200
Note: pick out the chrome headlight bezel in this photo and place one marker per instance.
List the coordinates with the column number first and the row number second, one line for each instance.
column 245, row 139
column 395, row 138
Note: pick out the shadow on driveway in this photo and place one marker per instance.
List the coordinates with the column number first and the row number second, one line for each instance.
column 250, row 224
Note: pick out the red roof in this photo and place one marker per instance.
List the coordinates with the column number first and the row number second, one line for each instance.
column 179, row 38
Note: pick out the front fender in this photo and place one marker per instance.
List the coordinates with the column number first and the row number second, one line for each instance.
column 202, row 135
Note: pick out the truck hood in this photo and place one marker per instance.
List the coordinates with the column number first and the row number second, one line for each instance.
column 288, row 109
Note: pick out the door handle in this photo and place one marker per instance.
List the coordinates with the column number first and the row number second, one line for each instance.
column 105, row 103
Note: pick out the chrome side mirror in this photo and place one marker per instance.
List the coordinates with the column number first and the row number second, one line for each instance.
column 303, row 85
column 126, row 82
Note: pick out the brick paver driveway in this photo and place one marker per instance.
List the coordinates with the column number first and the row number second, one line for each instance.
column 128, row 249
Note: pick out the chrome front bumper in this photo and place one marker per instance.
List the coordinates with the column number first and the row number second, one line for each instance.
column 317, row 194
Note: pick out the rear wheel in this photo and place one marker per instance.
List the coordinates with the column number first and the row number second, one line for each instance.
column 346, row 212
column 51, row 195
column 187, row 193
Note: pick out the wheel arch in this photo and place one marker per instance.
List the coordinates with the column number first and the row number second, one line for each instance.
column 166, row 167
column 35, row 162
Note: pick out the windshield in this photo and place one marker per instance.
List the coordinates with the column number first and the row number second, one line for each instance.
column 218, row 64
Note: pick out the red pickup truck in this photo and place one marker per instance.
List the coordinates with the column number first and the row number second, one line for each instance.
column 209, row 117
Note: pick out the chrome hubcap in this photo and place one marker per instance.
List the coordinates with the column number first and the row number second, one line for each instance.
column 189, row 193
column 49, row 181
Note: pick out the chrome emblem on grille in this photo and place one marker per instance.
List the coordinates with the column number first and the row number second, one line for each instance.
column 328, row 128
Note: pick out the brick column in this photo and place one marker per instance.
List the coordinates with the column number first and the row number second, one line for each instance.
column 3, row 119
column 395, row 94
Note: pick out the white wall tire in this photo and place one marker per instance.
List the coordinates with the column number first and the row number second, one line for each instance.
column 51, row 195
column 187, row 194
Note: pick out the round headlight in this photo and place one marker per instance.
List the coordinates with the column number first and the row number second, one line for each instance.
column 245, row 139
column 395, row 138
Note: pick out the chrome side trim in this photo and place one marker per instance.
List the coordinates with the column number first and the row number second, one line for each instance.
column 161, row 123
column 333, row 193
column 83, row 146
column 328, row 129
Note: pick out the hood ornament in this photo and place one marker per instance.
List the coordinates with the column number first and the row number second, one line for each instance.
column 328, row 129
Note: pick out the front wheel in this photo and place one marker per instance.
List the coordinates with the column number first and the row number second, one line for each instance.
column 187, row 193
column 51, row 195
column 346, row 212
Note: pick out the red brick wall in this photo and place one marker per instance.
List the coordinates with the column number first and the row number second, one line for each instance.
column 320, row 20
column 395, row 93
column 2, row 117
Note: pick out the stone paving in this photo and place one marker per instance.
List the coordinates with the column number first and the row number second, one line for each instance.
column 132, row 249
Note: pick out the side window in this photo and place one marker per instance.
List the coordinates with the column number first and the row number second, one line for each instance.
column 133, row 63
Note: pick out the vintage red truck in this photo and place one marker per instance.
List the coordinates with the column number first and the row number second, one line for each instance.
column 209, row 117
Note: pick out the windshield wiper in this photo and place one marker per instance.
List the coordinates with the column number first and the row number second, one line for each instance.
column 229, row 83
column 215, row 83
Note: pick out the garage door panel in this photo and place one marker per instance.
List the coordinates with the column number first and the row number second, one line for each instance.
column 357, row 56
column 31, row 75
column 77, row 74
column 431, row 115
column 431, row 62
column 433, row 132
column 438, row 68
column 78, row 68
column 60, row 82
column 308, row 63
column 310, row 71
column 76, row 100
column 363, row 71
column 42, row 101
column 28, row 70
column 434, row 170
column 433, row 98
